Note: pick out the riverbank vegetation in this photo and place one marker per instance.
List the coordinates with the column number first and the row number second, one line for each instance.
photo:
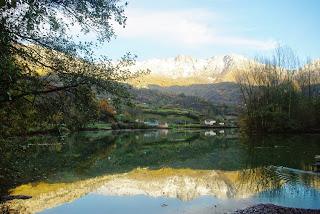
column 279, row 94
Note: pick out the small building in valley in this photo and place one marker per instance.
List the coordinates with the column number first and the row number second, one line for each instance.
column 209, row 122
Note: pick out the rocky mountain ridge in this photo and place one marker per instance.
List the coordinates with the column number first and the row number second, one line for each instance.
column 186, row 70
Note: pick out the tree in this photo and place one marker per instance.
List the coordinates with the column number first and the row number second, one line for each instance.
column 41, row 57
column 274, row 93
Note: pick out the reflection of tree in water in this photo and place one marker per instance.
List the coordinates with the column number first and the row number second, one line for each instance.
column 277, row 150
column 42, row 158
column 276, row 180
column 257, row 180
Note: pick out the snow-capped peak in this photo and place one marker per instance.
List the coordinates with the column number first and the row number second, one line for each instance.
column 183, row 66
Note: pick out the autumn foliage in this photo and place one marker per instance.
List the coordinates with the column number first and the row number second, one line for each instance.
column 106, row 110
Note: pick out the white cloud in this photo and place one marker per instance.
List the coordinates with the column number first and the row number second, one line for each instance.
column 186, row 28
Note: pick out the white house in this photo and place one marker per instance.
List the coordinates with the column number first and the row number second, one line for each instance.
column 221, row 124
column 210, row 122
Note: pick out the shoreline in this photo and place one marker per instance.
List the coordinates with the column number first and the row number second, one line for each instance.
column 275, row 209
column 54, row 132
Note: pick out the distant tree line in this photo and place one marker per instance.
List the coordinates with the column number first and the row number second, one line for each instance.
column 280, row 94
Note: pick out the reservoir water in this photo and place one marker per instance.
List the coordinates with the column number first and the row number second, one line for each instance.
column 158, row 171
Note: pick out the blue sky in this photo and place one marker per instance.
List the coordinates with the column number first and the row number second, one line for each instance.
column 204, row 28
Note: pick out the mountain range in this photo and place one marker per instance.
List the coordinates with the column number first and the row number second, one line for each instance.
column 186, row 70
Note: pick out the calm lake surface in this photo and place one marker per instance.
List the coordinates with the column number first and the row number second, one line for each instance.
column 186, row 171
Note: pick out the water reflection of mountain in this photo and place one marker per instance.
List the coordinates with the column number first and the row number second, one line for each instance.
column 184, row 184
column 87, row 155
